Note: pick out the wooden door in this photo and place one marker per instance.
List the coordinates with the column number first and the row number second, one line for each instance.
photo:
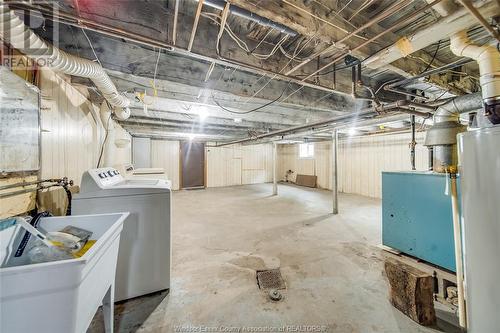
column 192, row 164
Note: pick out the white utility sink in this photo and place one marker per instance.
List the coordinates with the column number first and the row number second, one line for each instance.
column 60, row 296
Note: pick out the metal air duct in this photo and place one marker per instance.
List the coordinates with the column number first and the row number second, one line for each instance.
column 442, row 136
column 219, row 4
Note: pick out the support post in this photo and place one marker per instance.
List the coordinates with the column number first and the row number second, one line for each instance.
column 413, row 143
column 275, row 168
column 335, row 203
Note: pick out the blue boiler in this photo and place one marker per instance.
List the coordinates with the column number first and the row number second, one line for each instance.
column 417, row 216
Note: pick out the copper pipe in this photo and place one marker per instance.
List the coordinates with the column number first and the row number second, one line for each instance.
column 396, row 25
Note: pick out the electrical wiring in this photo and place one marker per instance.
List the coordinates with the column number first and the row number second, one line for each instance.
column 92, row 47
column 253, row 110
column 262, row 40
column 142, row 96
column 297, row 51
column 223, row 19
column 156, row 70
column 282, row 50
column 242, row 44
column 433, row 57
column 105, row 139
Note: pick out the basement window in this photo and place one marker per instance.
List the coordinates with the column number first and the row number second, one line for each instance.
column 306, row 150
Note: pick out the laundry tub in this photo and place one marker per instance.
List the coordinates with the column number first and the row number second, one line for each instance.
column 60, row 296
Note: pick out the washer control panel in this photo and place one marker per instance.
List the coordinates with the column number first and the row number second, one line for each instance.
column 105, row 177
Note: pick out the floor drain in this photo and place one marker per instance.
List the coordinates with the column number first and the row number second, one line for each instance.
column 270, row 279
column 275, row 295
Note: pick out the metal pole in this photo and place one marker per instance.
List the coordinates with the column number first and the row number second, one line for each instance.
column 413, row 143
column 431, row 158
column 275, row 168
column 335, row 203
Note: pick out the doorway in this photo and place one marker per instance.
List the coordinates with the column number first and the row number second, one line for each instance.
column 192, row 165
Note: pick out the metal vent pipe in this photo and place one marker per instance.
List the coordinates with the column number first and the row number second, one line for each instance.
column 219, row 4
column 442, row 136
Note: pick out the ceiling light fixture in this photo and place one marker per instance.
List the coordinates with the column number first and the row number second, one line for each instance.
column 203, row 113
column 238, row 120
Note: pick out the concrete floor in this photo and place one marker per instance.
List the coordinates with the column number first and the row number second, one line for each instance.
column 332, row 266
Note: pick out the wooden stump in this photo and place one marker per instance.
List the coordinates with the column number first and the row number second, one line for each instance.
column 411, row 291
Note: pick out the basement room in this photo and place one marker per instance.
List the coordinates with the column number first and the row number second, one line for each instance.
column 249, row 166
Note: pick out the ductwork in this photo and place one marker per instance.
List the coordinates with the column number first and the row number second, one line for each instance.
column 21, row 37
column 442, row 136
column 219, row 4
column 488, row 59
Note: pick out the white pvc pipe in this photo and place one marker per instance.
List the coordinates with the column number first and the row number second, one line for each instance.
column 457, row 235
column 488, row 59
column 15, row 32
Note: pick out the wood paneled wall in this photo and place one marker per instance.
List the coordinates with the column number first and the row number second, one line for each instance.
column 165, row 154
column 361, row 161
column 71, row 136
column 239, row 165
column 225, row 166
column 71, row 130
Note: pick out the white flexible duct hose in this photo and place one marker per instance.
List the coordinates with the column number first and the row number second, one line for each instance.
column 15, row 32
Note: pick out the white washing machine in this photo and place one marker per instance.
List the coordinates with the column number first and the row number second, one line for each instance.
column 145, row 245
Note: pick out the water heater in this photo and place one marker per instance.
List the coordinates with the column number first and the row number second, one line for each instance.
column 479, row 164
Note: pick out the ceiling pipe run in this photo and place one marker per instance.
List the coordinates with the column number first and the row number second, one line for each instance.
column 220, row 4
column 21, row 37
column 364, row 113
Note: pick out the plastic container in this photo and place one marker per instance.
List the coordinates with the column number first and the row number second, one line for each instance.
column 60, row 296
